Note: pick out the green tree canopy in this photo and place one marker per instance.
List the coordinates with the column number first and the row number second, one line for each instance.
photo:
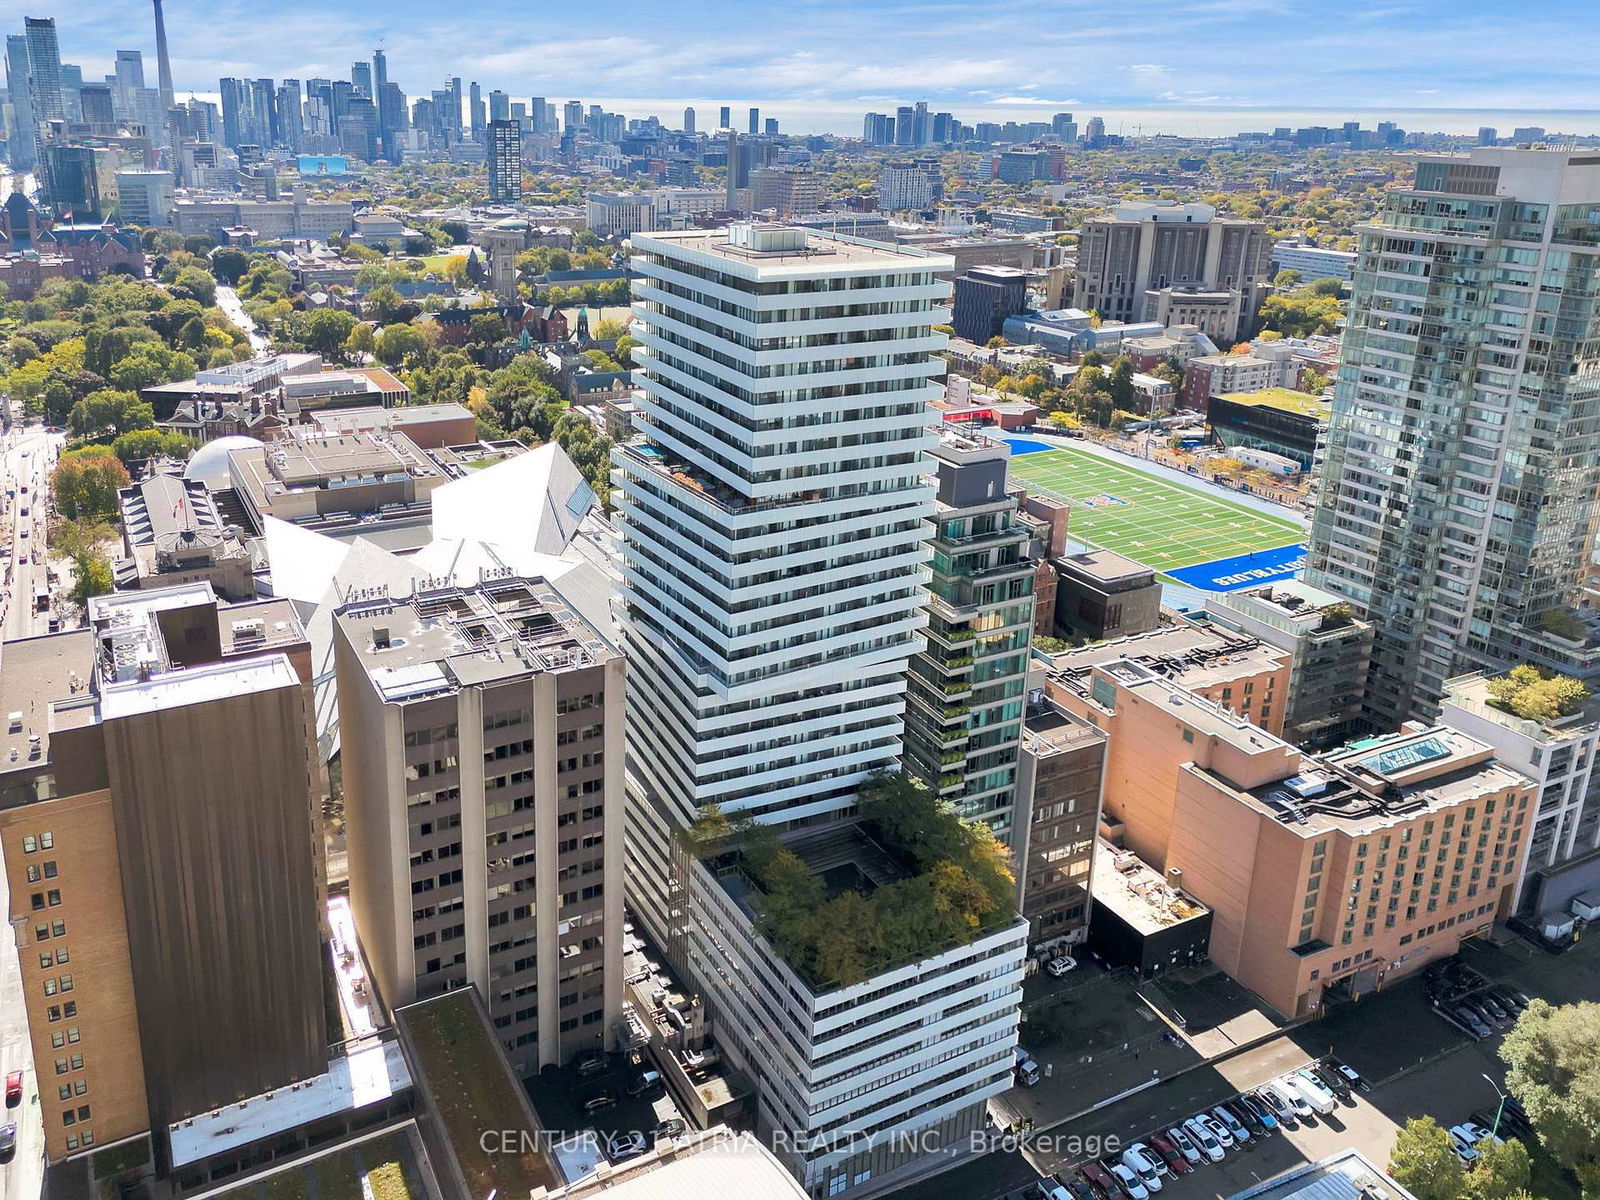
column 85, row 482
column 1424, row 1161
column 1553, row 1061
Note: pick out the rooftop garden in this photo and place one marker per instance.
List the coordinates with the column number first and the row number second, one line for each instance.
column 1536, row 695
column 957, row 885
column 473, row 1091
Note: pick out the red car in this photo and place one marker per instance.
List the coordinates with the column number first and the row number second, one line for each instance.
column 1171, row 1154
column 13, row 1089
column 1099, row 1180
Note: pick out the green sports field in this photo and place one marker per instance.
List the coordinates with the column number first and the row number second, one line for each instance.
column 1163, row 525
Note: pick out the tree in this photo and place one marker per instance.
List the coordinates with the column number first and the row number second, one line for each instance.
column 142, row 444
column 1502, row 1171
column 484, row 329
column 85, row 482
column 229, row 264
column 1536, row 695
column 194, row 284
column 996, row 342
column 107, row 414
column 382, row 304
column 325, row 331
column 1123, row 395
column 91, row 576
column 1286, row 279
column 608, row 330
column 1424, row 1161
column 361, row 341
column 1314, row 381
column 1553, row 1056
column 396, row 343
column 149, row 365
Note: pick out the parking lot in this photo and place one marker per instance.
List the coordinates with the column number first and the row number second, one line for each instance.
column 572, row 1099
column 1416, row 1063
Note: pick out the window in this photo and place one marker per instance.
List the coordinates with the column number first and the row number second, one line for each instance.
column 83, row 1112
column 53, row 898
column 64, row 1092
column 29, row 844
column 61, row 1066
column 58, row 929
column 73, row 1035
column 47, row 841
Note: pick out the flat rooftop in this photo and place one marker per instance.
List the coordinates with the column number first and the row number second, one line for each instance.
column 196, row 685
column 1136, row 892
column 37, row 673
column 1347, row 1175
column 1378, row 782
column 789, row 250
column 439, row 639
column 1190, row 653
column 1104, row 567
column 1047, row 731
column 1302, row 404
column 370, row 1073
column 716, row 1164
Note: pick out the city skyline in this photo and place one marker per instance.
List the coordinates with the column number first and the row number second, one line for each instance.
column 834, row 66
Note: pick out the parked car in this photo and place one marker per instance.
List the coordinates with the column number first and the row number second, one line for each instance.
column 1262, row 1110
column 1291, row 1096
column 1142, row 1161
column 1480, row 1133
column 1462, row 1143
column 1330, row 1079
column 1046, row 1189
column 13, row 1089
column 1186, row 1145
column 1280, row 1108
column 1317, row 1096
column 1216, row 1129
column 1232, row 1123
column 8, row 1142
column 1509, row 995
column 1025, row 1071
column 1077, row 1189
column 1128, row 1183
column 1245, row 1113
column 1060, row 966
column 1099, row 1180
column 1486, row 1000
column 598, row 1101
column 1472, row 1021
column 1177, row 1164
column 645, row 1083
column 1355, row 1078
column 1202, row 1137
column 590, row 1064
column 628, row 1144
column 670, row 1128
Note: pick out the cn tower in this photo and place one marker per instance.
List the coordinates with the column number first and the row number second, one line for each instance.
column 163, row 63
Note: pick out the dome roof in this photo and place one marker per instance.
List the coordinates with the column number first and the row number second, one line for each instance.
column 209, row 464
column 511, row 223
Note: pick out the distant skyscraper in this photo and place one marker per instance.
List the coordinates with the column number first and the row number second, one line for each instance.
column 476, row 112
column 361, row 77
column 1458, row 497
column 233, row 102
column 128, row 82
column 1488, row 135
column 755, row 120
column 771, row 126
column 725, row 117
column 163, row 61
column 23, row 134
column 505, row 161
column 499, row 106
column 688, row 120
column 572, row 117
column 95, row 104
column 291, row 115
column 905, row 126
column 44, row 69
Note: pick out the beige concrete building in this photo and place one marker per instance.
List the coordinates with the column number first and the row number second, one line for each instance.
column 156, row 805
column 1325, row 876
column 482, row 752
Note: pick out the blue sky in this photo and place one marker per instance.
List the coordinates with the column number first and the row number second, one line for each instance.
column 821, row 56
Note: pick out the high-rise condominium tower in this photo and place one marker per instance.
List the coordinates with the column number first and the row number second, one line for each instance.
column 1458, row 506
column 505, row 161
column 773, row 517
column 775, row 576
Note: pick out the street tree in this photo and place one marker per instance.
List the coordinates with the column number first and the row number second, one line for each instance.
column 1424, row 1161
column 1553, row 1056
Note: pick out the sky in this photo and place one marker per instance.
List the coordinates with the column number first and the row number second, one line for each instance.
column 1180, row 66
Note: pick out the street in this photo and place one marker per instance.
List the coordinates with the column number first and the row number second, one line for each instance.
column 25, row 457
column 228, row 302
column 25, row 463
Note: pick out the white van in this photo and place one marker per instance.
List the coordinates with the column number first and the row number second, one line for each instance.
column 1317, row 1096
column 1026, row 1070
